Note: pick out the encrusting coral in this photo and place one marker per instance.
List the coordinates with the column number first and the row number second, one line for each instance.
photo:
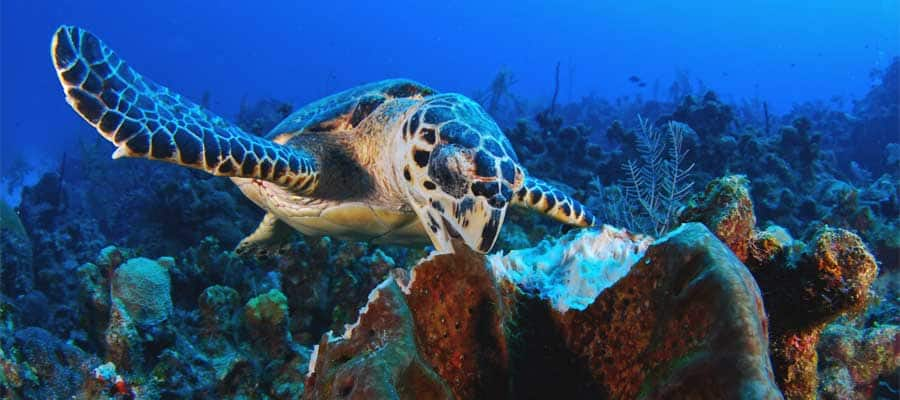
column 851, row 360
column 804, row 286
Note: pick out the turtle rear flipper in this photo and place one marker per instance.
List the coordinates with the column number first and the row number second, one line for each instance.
column 147, row 120
column 267, row 239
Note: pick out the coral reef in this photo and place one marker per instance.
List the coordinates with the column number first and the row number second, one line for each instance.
column 267, row 316
column 209, row 323
column 806, row 168
column 726, row 209
column 258, row 118
column 805, row 286
column 175, row 208
column 859, row 356
column 707, row 115
column 862, row 210
column 327, row 280
column 37, row 365
column 119, row 280
column 567, row 154
column 156, row 350
column 878, row 116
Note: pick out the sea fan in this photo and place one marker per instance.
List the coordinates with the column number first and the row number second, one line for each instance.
column 657, row 183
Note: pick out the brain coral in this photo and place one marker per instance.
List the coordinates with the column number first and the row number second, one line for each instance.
column 144, row 287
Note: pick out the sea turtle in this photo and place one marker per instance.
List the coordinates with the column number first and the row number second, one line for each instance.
column 391, row 161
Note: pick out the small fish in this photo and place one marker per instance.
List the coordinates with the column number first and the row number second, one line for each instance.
column 642, row 84
column 634, row 79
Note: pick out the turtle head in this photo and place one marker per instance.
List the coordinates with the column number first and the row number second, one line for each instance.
column 458, row 170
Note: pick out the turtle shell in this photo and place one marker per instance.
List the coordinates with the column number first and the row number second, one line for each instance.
column 345, row 110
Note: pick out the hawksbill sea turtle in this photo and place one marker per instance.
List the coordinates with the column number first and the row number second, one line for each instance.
column 389, row 162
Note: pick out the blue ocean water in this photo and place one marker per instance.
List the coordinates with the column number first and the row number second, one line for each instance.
column 744, row 155
column 785, row 52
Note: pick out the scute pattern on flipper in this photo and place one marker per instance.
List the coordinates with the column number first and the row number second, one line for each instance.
column 455, row 167
column 459, row 173
column 144, row 119
column 542, row 197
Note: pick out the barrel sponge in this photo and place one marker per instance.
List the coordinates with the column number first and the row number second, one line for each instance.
column 144, row 287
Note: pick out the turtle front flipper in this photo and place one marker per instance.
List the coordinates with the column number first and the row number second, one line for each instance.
column 146, row 120
column 546, row 199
